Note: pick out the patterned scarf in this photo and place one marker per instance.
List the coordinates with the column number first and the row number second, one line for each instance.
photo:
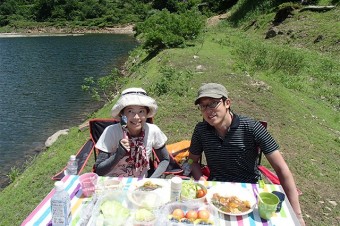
column 138, row 152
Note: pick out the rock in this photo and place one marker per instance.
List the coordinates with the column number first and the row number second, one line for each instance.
column 332, row 202
column 272, row 32
column 83, row 126
column 54, row 137
column 318, row 39
column 200, row 67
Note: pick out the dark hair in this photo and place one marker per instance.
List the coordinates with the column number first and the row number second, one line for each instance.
column 147, row 110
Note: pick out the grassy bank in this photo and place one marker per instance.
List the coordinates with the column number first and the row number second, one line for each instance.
column 305, row 125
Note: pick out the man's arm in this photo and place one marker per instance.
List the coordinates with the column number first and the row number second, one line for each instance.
column 287, row 181
column 196, row 167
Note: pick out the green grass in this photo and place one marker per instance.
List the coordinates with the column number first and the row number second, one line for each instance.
column 294, row 89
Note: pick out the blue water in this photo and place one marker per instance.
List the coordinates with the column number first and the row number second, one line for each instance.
column 40, row 84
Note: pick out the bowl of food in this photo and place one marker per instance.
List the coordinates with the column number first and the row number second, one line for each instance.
column 145, row 199
column 149, row 194
column 187, row 213
column 112, row 209
column 144, row 217
column 193, row 191
column 107, row 185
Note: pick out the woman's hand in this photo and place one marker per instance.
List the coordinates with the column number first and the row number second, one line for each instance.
column 126, row 144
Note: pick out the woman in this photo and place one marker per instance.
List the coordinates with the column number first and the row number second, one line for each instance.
column 126, row 147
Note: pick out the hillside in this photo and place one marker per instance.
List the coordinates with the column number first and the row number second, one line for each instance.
column 290, row 80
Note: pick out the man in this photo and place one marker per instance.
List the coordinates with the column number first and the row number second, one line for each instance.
column 230, row 142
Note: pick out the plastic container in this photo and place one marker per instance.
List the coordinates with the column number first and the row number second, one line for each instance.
column 112, row 209
column 108, row 185
column 167, row 218
column 145, row 199
column 60, row 206
column 176, row 186
column 72, row 166
column 88, row 182
column 144, row 217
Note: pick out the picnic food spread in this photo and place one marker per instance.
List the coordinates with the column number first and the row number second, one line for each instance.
column 98, row 208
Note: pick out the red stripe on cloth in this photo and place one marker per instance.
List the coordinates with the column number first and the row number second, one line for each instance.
column 239, row 220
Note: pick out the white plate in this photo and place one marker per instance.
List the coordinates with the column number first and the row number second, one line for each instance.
column 227, row 190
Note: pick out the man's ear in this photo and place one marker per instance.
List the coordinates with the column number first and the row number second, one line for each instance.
column 227, row 103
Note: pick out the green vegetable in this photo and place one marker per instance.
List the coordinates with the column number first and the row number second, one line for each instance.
column 112, row 212
column 144, row 215
column 189, row 189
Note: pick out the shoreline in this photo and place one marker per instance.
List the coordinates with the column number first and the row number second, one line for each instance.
column 53, row 31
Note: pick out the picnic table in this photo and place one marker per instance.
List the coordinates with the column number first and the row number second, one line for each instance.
column 41, row 215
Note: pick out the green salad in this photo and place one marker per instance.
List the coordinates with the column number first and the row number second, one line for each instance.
column 189, row 189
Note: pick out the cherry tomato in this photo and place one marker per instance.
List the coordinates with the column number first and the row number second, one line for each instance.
column 200, row 193
column 178, row 213
column 191, row 214
column 203, row 214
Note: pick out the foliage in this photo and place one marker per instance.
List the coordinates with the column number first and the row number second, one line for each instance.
column 175, row 5
column 219, row 6
column 74, row 11
column 171, row 82
column 168, row 30
column 104, row 88
column 313, row 74
column 13, row 174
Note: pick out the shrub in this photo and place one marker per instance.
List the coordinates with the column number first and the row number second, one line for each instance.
column 168, row 30
column 104, row 88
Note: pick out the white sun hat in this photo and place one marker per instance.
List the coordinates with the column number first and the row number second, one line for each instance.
column 134, row 96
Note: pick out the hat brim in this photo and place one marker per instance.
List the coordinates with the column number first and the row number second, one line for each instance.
column 211, row 95
column 134, row 99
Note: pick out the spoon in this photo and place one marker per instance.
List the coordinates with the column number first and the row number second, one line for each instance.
column 258, row 195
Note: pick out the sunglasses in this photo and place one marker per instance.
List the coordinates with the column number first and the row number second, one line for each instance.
column 212, row 105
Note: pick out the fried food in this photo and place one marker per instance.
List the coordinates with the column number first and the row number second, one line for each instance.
column 231, row 204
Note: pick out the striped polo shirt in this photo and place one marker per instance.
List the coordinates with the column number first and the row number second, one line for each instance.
column 233, row 158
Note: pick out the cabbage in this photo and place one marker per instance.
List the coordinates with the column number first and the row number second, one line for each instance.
column 112, row 212
column 189, row 189
column 144, row 215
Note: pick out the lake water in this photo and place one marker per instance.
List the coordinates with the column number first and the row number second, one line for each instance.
column 40, row 83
